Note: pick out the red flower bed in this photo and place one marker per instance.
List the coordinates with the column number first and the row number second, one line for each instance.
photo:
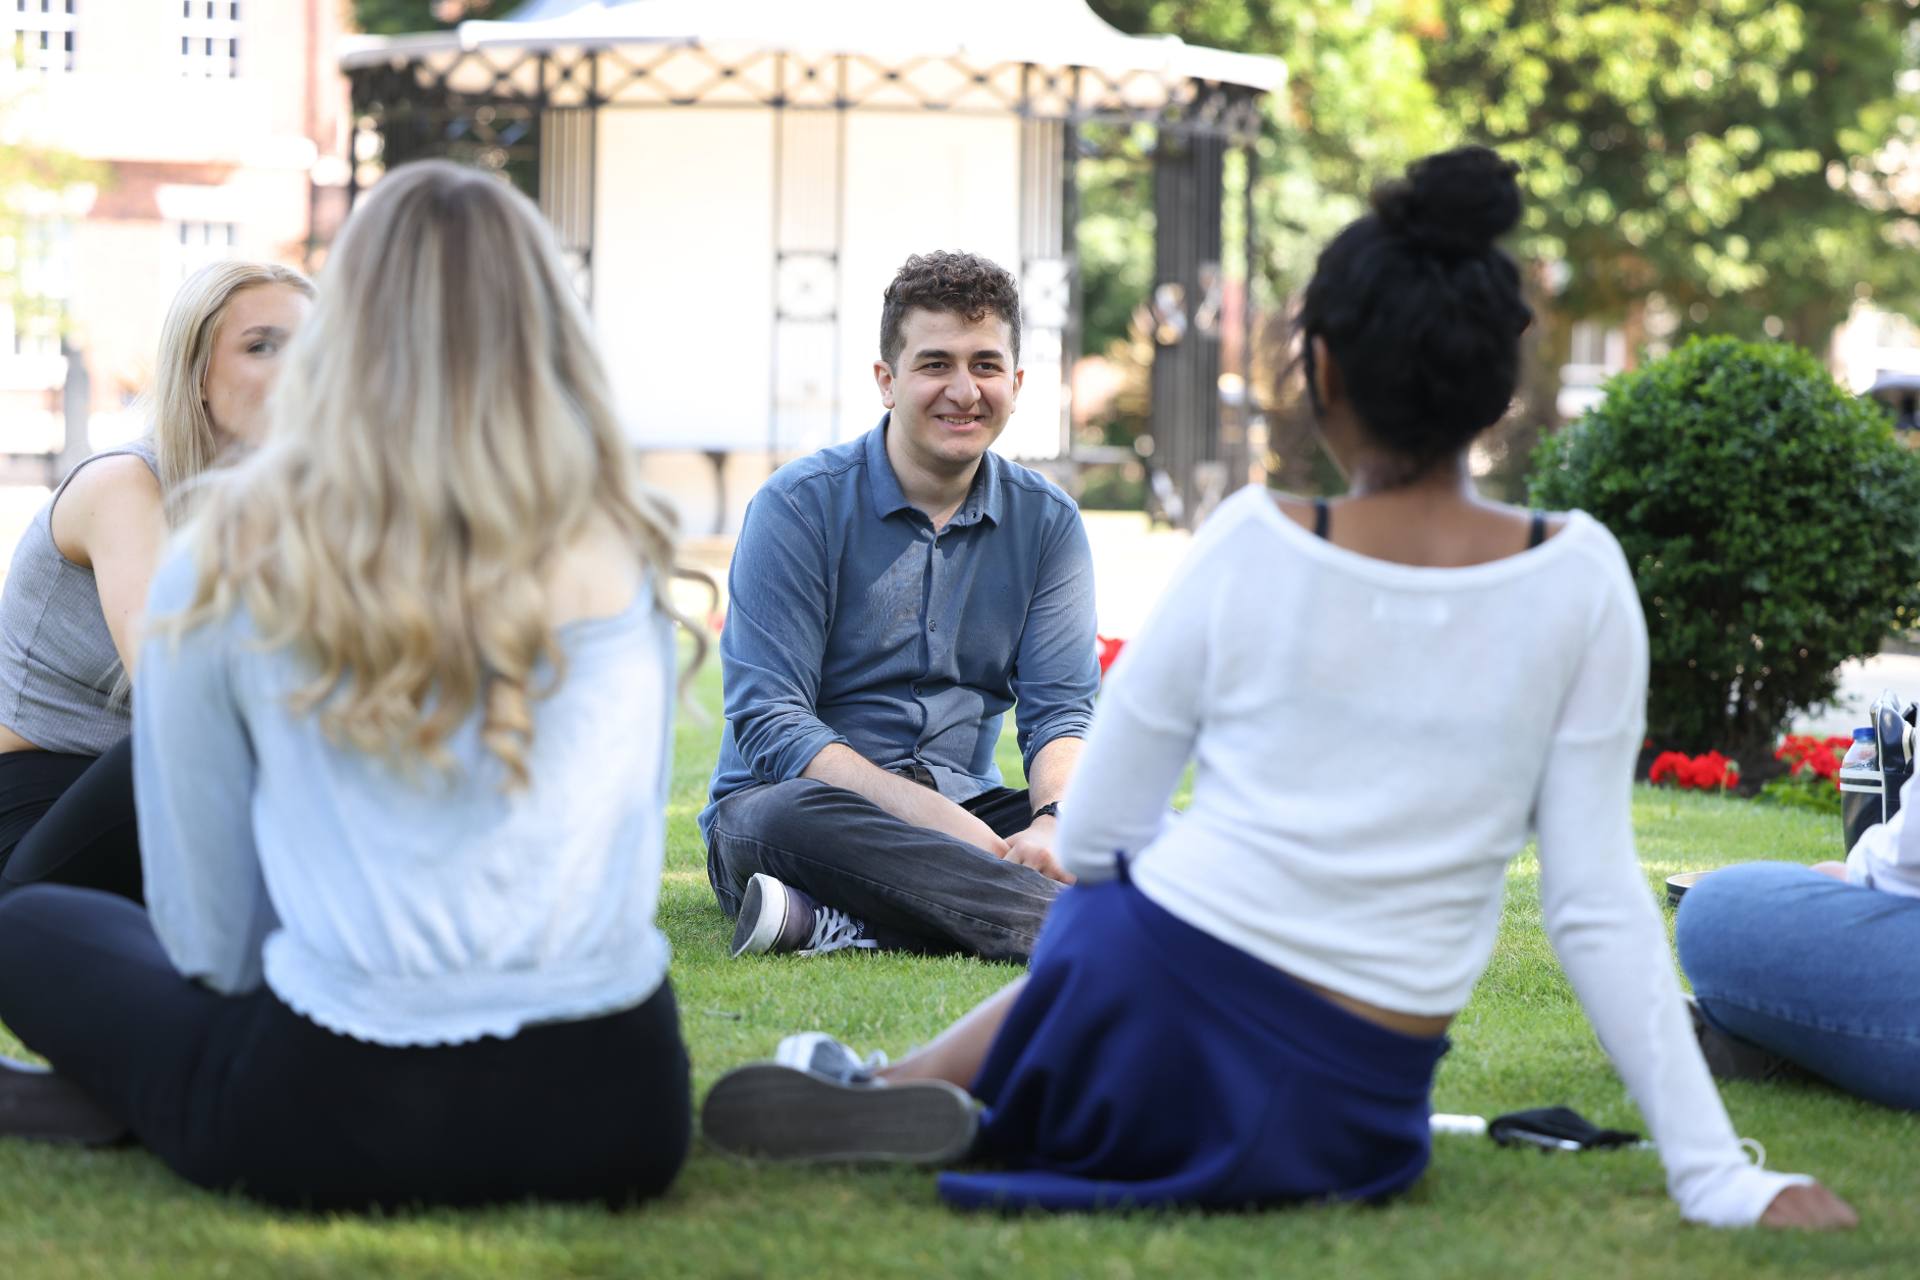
column 1815, row 760
column 1810, row 757
column 1710, row 772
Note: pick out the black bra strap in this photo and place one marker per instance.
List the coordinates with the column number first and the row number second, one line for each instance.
column 1320, row 516
column 1537, row 532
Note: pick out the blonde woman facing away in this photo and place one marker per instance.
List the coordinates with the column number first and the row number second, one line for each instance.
column 402, row 753
column 70, row 611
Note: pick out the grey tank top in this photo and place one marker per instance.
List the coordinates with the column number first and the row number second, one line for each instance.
column 58, row 666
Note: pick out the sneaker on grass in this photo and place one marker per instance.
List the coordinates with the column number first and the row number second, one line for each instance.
column 821, row 1102
column 36, row 1103
column 1731, row 1058
column 776, row 917
column 820, row 1054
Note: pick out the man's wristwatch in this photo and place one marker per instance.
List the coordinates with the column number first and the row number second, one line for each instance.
column 1051, row 809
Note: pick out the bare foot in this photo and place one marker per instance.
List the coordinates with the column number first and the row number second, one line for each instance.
column 1809, row 1207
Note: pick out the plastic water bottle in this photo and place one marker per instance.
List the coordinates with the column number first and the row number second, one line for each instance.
column 1864, row 753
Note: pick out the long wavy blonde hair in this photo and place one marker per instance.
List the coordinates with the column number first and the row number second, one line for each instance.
column 442, row 433
column 185, row 442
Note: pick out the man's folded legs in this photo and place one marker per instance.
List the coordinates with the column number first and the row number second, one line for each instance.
column 808, row 867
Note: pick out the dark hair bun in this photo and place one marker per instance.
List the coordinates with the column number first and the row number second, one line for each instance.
column 1420, row 310
column 1457, row 202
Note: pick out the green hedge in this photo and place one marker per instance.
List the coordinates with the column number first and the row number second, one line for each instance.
column 1772, row 522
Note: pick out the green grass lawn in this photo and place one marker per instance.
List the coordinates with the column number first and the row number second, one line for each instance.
column 1480, row 1210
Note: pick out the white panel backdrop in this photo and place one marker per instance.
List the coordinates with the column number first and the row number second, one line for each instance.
column 683, row 265
column 683, row 273
column 919, row 182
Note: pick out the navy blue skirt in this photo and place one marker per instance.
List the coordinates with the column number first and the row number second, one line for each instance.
column 1148, row 1063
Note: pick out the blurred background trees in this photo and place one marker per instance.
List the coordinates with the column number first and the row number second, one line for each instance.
column 1739, row 167
column 35, row 182
column 402, row 17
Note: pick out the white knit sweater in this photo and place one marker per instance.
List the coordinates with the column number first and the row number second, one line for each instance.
column 1373, row 742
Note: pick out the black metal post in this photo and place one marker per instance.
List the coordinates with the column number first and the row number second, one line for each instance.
column 1249, row 403
column 1071, row 333
column 1188, row 172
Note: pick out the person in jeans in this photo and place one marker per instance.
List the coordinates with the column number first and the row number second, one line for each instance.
column 1382, row 697
column 70, row 611
column 1801, row 967
column 891, row 598
column 402, row 753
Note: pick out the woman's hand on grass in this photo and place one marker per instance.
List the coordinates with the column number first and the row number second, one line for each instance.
column 1809, row 1207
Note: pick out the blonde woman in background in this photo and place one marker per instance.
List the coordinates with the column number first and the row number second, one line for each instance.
column 70, row 611
column 402, row 757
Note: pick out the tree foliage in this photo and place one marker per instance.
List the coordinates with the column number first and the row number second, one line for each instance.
column 34, row 180
column 403, row 17
column 1741, row 159
column 1772, row 523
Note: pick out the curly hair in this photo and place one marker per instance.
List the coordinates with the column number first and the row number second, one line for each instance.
column 961, row 283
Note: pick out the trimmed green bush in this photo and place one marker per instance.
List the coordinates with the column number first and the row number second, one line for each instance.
column 1772, row 523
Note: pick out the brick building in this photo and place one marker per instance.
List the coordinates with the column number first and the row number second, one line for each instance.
column 209, row 129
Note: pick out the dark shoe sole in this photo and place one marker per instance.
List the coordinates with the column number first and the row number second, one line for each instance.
column 754, row 929
column 41, row 1106
column 772, row 1112
column 1729, row 1058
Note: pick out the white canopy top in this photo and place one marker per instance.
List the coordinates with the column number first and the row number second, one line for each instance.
column 1057, row 33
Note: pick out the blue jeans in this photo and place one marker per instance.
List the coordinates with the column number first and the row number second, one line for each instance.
column 1821, row 972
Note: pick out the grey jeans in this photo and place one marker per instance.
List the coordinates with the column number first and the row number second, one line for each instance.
column 915, row 889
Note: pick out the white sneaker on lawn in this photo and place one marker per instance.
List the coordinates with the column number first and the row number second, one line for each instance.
column 820, row 1054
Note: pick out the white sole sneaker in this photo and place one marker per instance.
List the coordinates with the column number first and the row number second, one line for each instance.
column 763, row 914
column 771, row 1112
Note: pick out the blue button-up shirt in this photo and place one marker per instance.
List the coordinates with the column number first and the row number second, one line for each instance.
column 853, row 620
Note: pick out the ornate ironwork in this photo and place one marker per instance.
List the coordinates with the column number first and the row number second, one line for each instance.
column 690, row 75
column 530, row 115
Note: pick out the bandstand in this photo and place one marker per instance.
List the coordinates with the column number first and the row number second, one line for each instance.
column 734, row 182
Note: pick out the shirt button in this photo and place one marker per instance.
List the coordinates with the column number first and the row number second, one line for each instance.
column 933, row 626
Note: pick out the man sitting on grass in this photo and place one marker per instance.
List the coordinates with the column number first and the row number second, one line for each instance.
column 891, row 598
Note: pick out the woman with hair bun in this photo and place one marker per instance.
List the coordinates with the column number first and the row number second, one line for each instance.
column 1383, row 697
column 70, row 611
column 402, row 752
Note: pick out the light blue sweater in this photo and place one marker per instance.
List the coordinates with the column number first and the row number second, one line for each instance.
column 404, row 910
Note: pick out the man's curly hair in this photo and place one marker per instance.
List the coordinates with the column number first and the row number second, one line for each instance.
column 964, row 284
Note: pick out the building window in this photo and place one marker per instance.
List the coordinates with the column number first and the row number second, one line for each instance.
column 39, row 33
column 204, row 242
column 210, row 38
column 1597, row 347
column 38, row 260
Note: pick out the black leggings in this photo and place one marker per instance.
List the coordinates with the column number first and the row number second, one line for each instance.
column 68, row 819
column 242, row 1093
